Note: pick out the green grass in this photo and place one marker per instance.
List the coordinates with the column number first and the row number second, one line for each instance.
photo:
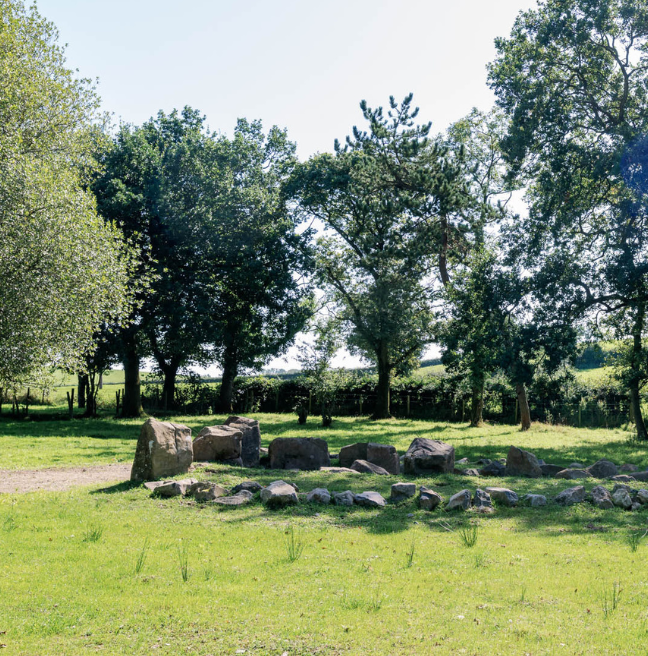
column 112, row 570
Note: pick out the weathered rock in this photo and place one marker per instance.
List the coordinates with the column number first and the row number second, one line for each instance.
column 308, row 453
column 503, row 496
column 339, row 470
column 603, row 469
column 636, row 506
column 463, row 461
column 163, row 449
column 279, row 494
column 251, row 439
column 602, row 498
column 251, row 486
column 426, row 456
column 343, row 498
column 428, row 498
column 642, row 496
column 621, row 486
column 572, row 474
column 621, row 499
column 470, row 472
column 352, row 452
column 571, row 495
column 204, row 491
column 365, row 467
column 217, row 443
column 484, row 461
column 493, row 468
column 319, row 495
column 551, row 470
column 152, row 485
column 628, row 468
column 535, row 500
column 233, row 462
column 482, row 499
column 174, row 488
column 623, row 478
column 385, row 456
column 640, row 476
column 369, row 500
column 459, row 500
column 575, row 465
column 402, row 491
column 522, row 463
column 239, row 499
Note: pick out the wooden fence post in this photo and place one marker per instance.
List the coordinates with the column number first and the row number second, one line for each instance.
column 408, row 405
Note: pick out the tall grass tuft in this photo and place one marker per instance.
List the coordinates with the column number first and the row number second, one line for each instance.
column 183, row 562
column 141, row 558
column 294, row 545
column 409, row 555
column 93, row 533
column 635, row 538
column 610, row 601
column 469, row 535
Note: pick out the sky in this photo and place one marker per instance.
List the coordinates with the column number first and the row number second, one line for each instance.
column 299, row 64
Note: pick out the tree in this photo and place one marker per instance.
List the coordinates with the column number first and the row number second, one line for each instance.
column 385, row 201
column 260, row 298
column 572, row 77
column 63, row 270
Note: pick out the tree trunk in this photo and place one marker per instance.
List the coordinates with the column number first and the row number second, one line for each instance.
column 132, row 403
column 523, row 402
column 169, row 385
column 382, row 410
column 637, row 355
column 82, row 383
column 477, row 406
column 91, row 396
column 230, row 371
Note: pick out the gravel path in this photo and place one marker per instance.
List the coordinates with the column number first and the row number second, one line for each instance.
column 62, row 478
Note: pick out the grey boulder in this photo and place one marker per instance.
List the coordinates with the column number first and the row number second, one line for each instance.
column 602, row 498
column 503, row 496
column 234, row 501
column 621, row 499
column 572, row 474
column 369, row 500
column 461, row 500
column 482, row 499
column 603, row 469
column 175, row 488
column 365, row 467
column 571, row 496
column 535, row 500
column 250, row 441
column 522, row 463
column 343, row 498
column 307, row 453
column 206, row 491
column 493, row 468
column 279, row 494
column 426, row 456
column 402, row 491
column 250, row 486
column 319, row 495
column 217, row 444
column 551, row 470
column 429, row 499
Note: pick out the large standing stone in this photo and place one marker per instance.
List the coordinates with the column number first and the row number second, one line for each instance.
column 163, row 449
column 299, row 453
column 503, row 496
column 459, row 500
column 365, row 467
column 571, row 495
column 429, row 499
column 217, row 443
column 385, row 456
column 279, row 494
column 402, row 491
column 602, row 498
column 572, row 474
column 251, row 441
column 426, row 456
column 352, row 452
column 369, row 500
column 603, row 469
column 522, row 463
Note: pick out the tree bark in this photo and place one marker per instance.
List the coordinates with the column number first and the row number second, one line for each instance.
column 382, row 410
column 169, row 386
column 637, row 355
column 477, row 406
column 82, row 384
column 523, row 402
column 132, row 403
column 230, row 371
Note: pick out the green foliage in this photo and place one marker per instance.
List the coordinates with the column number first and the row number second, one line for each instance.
column 294, row 545
column 64, row 272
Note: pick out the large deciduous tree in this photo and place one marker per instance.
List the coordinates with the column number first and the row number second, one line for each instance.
column 63, row 270
column 573, row 77
column 388, row 204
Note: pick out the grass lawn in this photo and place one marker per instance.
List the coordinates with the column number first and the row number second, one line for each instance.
column 392, row 581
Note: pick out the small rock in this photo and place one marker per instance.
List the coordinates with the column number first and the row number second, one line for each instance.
column 628, row 468
column 493, row 468
column 250, row 486
column 535, row 500
column 503, row 496
column 642, row 496
column 621, row 499
column 366, row 467
column 339, row 470
column 402, row 491
column 428, row 498
column 603, row 469
column 484, row 461
column 174, row 488
column 369, row 500
column 206, row 491
column 470, row 472
column 640, row 476
column 152, row 485
column 239, row 499
column 551, row 470
column 319, row 495
column 623, row 478
column 571, row 474
column 459, row 500
column 602, row 498
column 636, row 506
column 620, row 486
column 571, row 495
column 482, row 499
column 463, row 461
column 279, row 494
column 343, row 498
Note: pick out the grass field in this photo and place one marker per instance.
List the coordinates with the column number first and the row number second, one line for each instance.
column 392, row 581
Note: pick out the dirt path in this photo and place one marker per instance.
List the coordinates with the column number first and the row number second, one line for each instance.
column 62, row 478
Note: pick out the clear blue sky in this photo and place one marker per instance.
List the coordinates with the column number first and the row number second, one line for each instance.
column 300, row 64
